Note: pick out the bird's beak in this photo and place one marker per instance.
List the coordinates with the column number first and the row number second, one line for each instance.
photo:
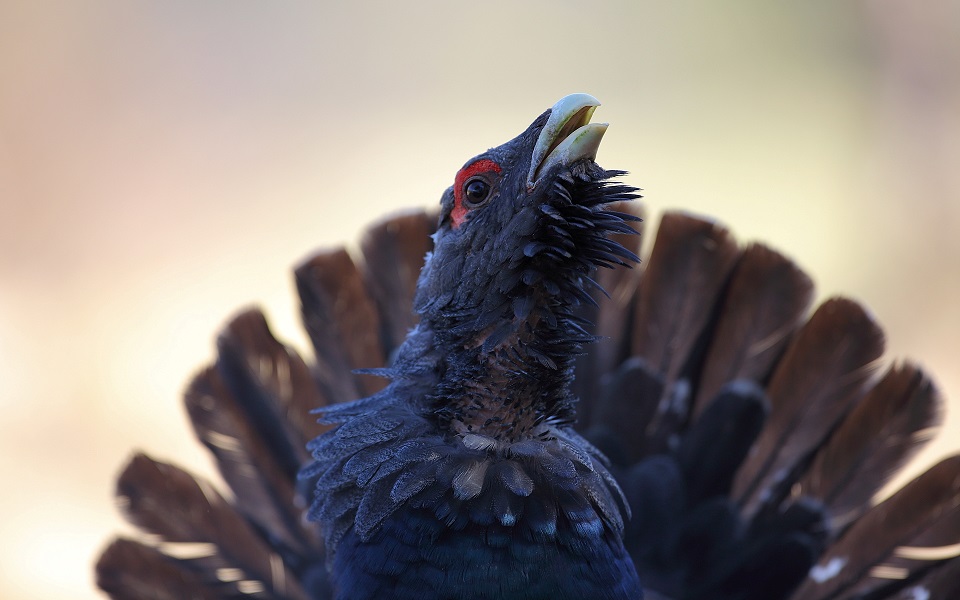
column 567, row 137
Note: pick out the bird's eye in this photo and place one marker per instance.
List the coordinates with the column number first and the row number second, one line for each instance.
column 476, row 184
column 476, row 192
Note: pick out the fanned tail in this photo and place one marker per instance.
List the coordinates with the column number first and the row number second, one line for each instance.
column 252, row 410
column 751, row 440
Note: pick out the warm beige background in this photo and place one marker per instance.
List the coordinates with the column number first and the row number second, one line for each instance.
column 164, row 163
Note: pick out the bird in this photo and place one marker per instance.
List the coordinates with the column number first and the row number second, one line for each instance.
column 504, row 401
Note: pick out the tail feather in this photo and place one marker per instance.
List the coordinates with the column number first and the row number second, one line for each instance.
column 393, row 252
column 768, row 568
column 686, row 272
column 273, row 381
column 942, row 581
column 343, row 324
column 894, row 543
column 129, row 570
column 765, row 302
column 169, row 502
column 702, row 314
column 622, row 408
column 678, row 294
column 716, row 443
column 820, row 378
column 252, row 412
column 895, row 418
column 264, row 486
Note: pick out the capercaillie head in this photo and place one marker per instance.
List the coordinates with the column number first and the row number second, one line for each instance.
column 520, row 231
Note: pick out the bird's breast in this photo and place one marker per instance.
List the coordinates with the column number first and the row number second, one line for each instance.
column 419, row 554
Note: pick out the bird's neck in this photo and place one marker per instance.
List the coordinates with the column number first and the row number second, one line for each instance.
column 511, row 386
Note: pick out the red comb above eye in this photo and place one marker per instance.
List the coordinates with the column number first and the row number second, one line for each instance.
column 459, row 212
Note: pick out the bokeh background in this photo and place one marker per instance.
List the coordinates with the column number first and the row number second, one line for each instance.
column 163, row 164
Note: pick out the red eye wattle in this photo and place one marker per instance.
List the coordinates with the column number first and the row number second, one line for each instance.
column 472, row 188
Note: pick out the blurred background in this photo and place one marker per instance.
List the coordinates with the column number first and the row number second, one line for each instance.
column 163, row 164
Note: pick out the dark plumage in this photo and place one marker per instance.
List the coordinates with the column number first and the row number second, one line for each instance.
column 495, row 451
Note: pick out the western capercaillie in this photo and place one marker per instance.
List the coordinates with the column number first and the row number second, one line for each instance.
column 531, row 418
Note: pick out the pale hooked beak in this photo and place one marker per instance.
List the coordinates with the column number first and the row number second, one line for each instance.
column 568, row 135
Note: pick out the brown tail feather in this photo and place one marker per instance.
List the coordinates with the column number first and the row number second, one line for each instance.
column 765, row 303
column 129, row 570
column 687, row 270
column 886, row 428
column 167, row 501
column 820, row 377
column 393, row 252
column 264, row 486
column 895, row 541
column 942, row 581
column 283, row 380
column 343, row 324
